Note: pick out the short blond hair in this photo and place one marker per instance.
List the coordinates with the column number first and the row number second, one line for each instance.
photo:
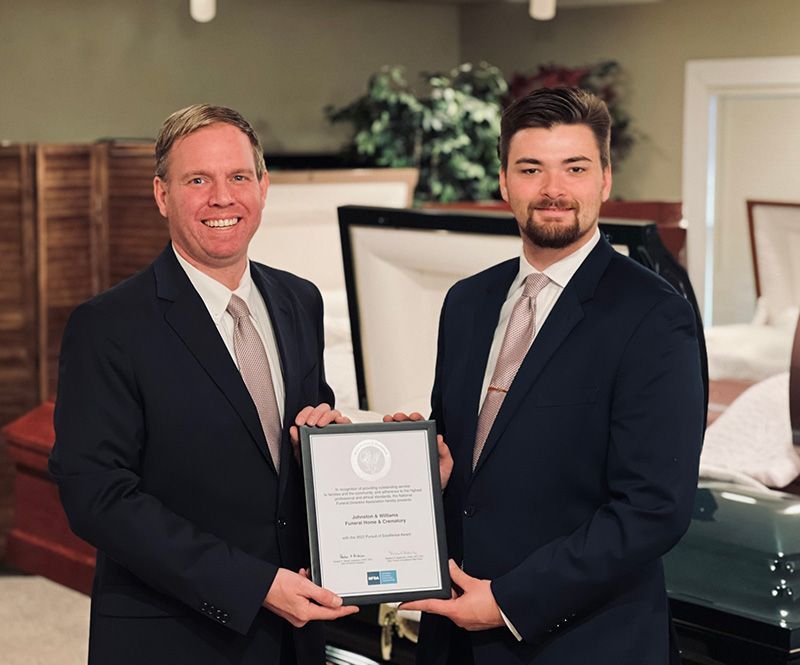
column 188, row 120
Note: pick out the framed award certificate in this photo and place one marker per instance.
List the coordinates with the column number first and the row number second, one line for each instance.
column 375, row 516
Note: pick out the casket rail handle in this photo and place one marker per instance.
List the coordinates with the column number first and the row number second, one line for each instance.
column 392, row 622
column 783, row 590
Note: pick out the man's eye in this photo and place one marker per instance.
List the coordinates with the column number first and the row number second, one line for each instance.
column 196, row 181
column 530, row 171
column 240, row 178
column 577, row 169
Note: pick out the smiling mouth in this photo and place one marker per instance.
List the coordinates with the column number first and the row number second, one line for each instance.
column 221, row 223
column 552, row 209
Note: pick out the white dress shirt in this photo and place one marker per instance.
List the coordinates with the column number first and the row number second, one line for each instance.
column 559, row 274
column 216, row 297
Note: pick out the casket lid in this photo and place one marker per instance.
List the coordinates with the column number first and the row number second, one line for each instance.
column 738, row 566
column 399, row 264
column 775, row 244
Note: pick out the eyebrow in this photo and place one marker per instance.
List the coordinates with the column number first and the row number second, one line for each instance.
column 194, row 173
column 568, row 160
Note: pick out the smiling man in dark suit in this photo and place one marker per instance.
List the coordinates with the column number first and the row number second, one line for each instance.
column 568, row 388
column 173, row 457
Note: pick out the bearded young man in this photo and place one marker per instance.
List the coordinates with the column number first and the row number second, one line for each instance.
column 568, row 389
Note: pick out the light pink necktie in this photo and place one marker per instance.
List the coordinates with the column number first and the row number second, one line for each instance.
column 254, row 368
column 516, row 342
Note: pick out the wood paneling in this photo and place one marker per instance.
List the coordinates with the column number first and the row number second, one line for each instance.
column 135, row 230
column 18, row 377
column 18, row 351
column 69, row 247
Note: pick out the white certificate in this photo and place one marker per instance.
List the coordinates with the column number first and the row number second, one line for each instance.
column 375, row 517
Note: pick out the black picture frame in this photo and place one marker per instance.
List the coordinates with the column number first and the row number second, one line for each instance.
column 433, row 485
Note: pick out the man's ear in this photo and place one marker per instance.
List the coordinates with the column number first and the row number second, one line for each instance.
column 503, row 185
column 160, row 195
column 264, row 185
column 607, row 179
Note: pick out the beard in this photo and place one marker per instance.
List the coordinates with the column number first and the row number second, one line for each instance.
column 555, row 234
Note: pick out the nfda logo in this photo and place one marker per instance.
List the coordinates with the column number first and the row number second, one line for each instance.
column 381, row 577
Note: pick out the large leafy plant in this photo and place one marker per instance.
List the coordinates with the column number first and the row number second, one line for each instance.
column 449, row 132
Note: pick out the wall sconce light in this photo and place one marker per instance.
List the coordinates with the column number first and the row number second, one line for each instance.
column 202, row 11
column 542, row 10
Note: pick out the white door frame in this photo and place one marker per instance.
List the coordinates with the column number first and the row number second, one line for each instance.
column 706, row 82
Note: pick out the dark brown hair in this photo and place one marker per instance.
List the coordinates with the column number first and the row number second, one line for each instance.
column 547, row 107
column 188, row 120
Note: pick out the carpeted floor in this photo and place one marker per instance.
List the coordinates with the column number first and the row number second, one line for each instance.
column 43, row 623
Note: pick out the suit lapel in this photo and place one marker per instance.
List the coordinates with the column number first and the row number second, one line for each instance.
column 565, row 315
column 187, row 315
column 280, row 314
column 486, row 315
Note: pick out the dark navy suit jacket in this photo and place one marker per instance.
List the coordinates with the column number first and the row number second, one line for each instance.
column 163, row 466
column 589, row 472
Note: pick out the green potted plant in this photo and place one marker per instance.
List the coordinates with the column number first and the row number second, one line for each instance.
column 449, row 133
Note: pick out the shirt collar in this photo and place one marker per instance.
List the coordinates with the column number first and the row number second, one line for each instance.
column 562, row 270
column 216, row 295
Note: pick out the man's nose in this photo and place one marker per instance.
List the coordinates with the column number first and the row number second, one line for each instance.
column 221, row 194
column 552, row 185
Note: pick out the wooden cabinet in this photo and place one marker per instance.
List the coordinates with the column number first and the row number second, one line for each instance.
column 41, row 541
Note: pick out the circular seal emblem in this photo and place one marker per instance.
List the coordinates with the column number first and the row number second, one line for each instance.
column 371, row 460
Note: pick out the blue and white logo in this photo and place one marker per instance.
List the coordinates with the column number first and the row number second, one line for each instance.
column 388, row 577
column 381, row 577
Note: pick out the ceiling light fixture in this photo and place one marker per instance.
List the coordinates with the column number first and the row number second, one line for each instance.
column 542, row 10
column 203, row 11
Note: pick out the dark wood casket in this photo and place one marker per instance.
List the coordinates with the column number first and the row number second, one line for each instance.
column 40, row 541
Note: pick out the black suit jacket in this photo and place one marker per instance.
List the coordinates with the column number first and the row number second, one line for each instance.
column 589, row 472
column 162, row 464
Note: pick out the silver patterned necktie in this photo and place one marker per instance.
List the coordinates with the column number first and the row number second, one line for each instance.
column 255, row 371
column 516, row 342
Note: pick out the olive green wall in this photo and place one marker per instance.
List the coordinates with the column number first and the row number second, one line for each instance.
column 652, row 42
column 80, row 70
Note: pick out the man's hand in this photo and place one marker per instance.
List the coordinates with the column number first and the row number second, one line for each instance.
column 472, row 606
column 318, row 416
column 298, row 600
column 445, row 458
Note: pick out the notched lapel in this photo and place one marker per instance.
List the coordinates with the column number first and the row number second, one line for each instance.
column 187, row 315
column 486, row 315
column 280, row 315
column 565, row 315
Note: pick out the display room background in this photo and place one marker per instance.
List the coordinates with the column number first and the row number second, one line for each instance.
column 113, row 68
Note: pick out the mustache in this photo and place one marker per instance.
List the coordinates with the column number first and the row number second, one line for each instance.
column 547, row 202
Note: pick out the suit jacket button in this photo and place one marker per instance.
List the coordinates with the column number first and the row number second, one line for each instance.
column 469, row 510
column 281, row 524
